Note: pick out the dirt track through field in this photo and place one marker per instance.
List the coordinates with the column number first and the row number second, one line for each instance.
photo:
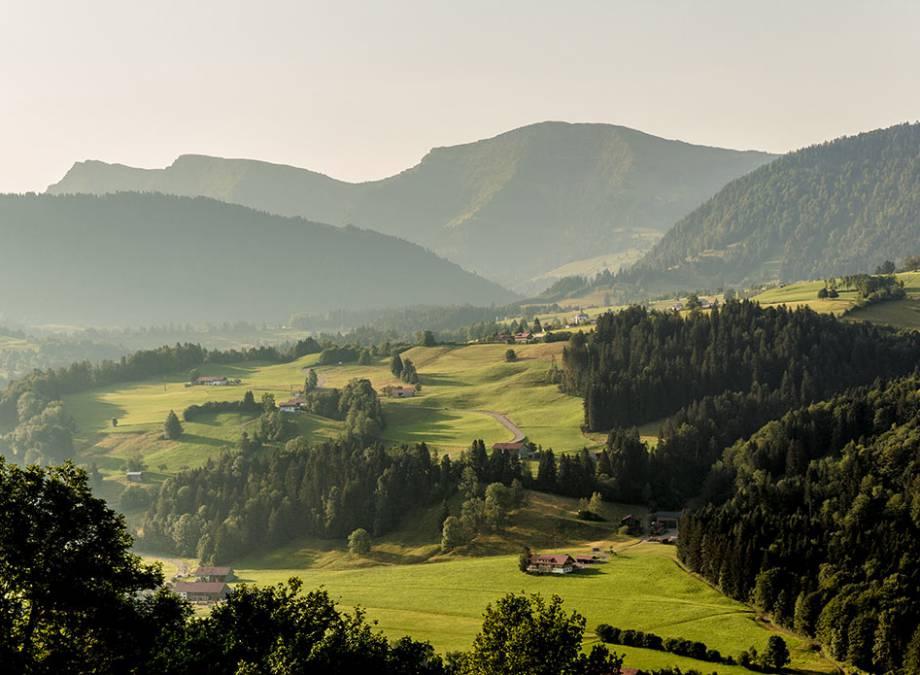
column 508, row 424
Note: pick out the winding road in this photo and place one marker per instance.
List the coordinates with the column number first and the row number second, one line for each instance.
column 508, row 424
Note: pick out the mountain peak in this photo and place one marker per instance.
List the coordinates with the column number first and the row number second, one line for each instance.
column 551, row 193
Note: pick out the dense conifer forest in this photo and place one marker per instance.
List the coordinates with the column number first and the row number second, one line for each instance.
column 816, row 519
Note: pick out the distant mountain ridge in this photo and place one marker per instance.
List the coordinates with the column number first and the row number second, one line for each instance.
column 509, row 207
column 839, row 207
column 142, row 259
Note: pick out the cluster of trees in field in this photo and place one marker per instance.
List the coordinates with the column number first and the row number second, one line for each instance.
column 816, row 520
column 404, row 369
column 491, row 485
column 356, row 404
column 246, row 405
column 238, row 504
column 872, row 288
column 77, row 600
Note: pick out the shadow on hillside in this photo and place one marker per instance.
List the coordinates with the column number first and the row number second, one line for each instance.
column 198, row 439
column 436, row 379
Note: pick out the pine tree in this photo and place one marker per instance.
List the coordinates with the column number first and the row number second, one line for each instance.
column 546, row 472
column 396, row 365
column 172, row 428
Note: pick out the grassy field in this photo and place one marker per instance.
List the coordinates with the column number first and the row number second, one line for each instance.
column 458, row 385
column 898, row 313
column 409, row 587
column 640, row 587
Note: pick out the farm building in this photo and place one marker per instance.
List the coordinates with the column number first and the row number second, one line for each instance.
column 134, row 476
column 523, row 338
column 523, row 449
column 292, row 405
column 213, row 574
column 559, row 563
column 210, row 381
column 581, row 319
column 662, row 521
column 201, row 591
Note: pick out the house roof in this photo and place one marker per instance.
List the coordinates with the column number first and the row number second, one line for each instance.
column 211, row 378
column 293, row 403
column 209, row 587
column 552, row 559
column 517, row 445
column 213, row 571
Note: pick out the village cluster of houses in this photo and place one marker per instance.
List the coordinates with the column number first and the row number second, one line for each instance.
column 522, row 338
column 212, row 381
column 204, row 585
column 563, row 563
column 579, row 320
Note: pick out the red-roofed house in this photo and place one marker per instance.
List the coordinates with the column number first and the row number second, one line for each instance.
column 523, row 448
column 557, row 563
column 201, row 591
column 292, row 405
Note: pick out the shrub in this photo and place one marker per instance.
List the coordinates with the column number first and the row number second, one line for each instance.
column 359, row 542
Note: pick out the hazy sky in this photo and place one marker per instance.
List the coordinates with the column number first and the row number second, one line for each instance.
column 361, row 90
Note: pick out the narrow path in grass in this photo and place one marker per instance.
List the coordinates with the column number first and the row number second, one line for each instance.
column 508, row 424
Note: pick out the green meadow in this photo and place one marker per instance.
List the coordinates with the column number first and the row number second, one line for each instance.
column 408, row 587
column 640, row 587
column 459, row 385
column 896, row 313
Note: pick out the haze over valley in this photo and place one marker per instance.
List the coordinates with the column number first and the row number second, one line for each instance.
column 459, row 338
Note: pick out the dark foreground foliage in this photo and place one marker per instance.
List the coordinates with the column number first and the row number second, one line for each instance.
column 74, row 599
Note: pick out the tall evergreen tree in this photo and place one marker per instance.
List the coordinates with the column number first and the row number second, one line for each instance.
column 172, row 428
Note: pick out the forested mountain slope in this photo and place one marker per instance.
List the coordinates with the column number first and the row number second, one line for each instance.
column 509, row 207
column 141, row 259
column 711, row 379
column 817, row 517
column 836, row 208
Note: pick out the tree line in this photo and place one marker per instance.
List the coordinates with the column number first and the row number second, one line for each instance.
column 639, row 366
column 712, row 379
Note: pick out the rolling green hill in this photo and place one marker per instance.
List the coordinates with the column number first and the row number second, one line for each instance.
column 509, row 207
column 904, row 313
column 460, row 385
column 142, row 259
column 836, row 208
